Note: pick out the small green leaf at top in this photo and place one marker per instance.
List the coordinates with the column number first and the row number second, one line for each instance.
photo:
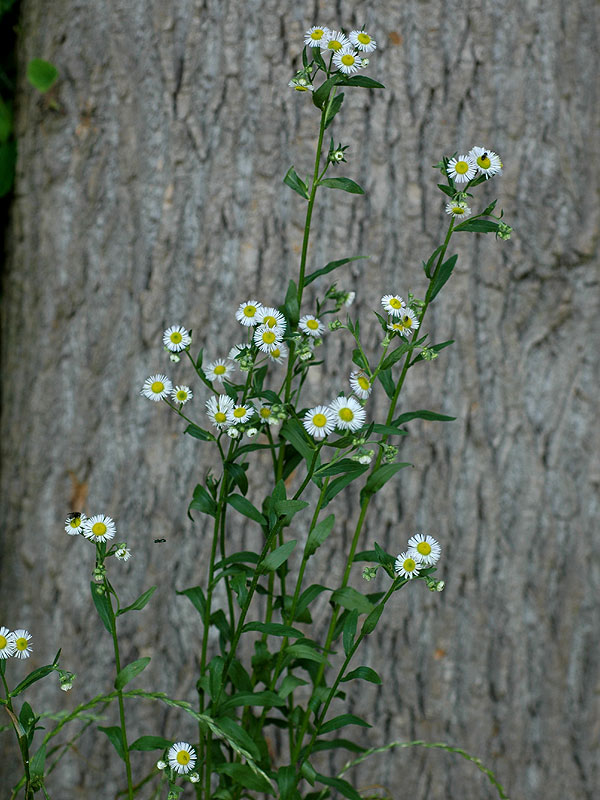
column 345, row 184
column 41, row 74
column 295, row 182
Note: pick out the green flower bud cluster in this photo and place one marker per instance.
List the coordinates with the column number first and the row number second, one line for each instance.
column 369, row 573
column 390, row 452
column 504, row 231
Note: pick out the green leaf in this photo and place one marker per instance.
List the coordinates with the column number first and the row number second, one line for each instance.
column 266, row 699
column 150, row 743
column 8, row 160
column 291, row 308
column 288, row 508
column 340, row 722
column 336, row 486
column 321, row 96
column 345, row 184
column 103, row 606
column 34, row 676
column 36, row 765
column 286, row 781
column 333, row 744
column 352, row 599
column 288, row 684
column 337, row 467
column 341, row 785
column 294, row 433
column 421, row 414
column 246, row 508
column 387, row 430
column 41, row 74
column 278, row 556
column 196, row 595
column 303, row 651
column 396, row 355
column 363, row 674
column 115, row 736
column 243, row 774
column 273, row 629
column 444, row 273
column 447, row 190
column 138, row 604
column 428, row 267
column 199, row 433
column 478, row 226
column 329, row 268
column 202, row 502
column 318, row 534
column 296, row 183
column 435, row 347
column 371, row 621
column 236, row 734
column 129, row 672
column 333, row 109
column 349, row 631
column 359, row 359
column 237, row 473
column 361, row 80
column 387, row 381
column 382, row 475
column 308, row 595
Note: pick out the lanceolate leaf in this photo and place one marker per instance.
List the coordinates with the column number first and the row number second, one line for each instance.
column 421, row 414
column 202, row 502
column 34, row 676
column 329, row 268
column 278, row 556
column 103, row 606
column 340, row 722
column 333, row 108
column 382, row 475
column 246, row 508
column 296, row 183
column 478, row 226
column 336, row 486
column 352, row 599
column 129, row 672
column 362, row 673
column 266, row 699
column 199, row 433
column 140, row 603
column 361, row 80
column 318, row 534
column 273, row 628
column 245, row 776
column 444, row 273
column 196, row 595
column 345, row 184
column 115, row 736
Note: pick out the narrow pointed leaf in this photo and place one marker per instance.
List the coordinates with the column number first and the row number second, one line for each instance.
column 364, row 674
column 421, row 414
column 199, row 433
column 115, row 736
column 295, row 182
column 478, row 226
column 146, row 743
column 352, row 599
column 129, row 672
column 278, row 556
column 103, row 606
column 318, row 534
column 444, row 273
column 273, row 629
column 329, row 268
column 140, row 603
column 340, row 722
column 382, row 475
column 345, row 184
column 246, row 508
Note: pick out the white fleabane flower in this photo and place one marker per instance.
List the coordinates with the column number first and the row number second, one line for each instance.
column 181, row 394
column 218, row 370
column 267, row 339
column 347, row 60
column 301, row 84
column 425, row 547
column 462, row 169
column 217, row 409
column 22, row 647
column 265, row 415
column 407, row 565
column 157, row 387
column 246, row 313
column 74, row 523
column 350, row 415
column 240, row 413
column 487, row 162
column 360, row 383
column 362, row 41
column 393, row 304
column 311, row 325
column 233, row 433
column 272, row 318
column 123, row 553
column 182, row 757
column 176, row 338
column 7, row 643
column 99, row 528
column 319, row 421
column 315, row 36
column 335, row 40
column 406, row 323
column 279, row 353
column 457, row 208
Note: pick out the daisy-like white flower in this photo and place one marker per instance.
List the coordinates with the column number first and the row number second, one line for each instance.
column 393, row 304
column 488, row 163
column 406, row 323
column 22, row 647
column 240, row 413
column 157, row 387
column 123, row 553
column 74, row 523
column 425, row 547
column 301, row 85
column 272, row 318
column 319, row 421
column 311, row 325
column 7, row 643
column 362, row 41
column 350, row 415
column 218, row 409
column 266, row 415
column 99, row 528
column 360, row 383
column 347, row 60
column 267, row 339
column 315, row 36
column 182, row 757
column 237, row 349
column 181, row 394
column 246, row 313
column 457, row 208
column 218, row 370
column 279, row 353
column 407, row 565
column 462, row 169
column 176, row 338
column 335, row 40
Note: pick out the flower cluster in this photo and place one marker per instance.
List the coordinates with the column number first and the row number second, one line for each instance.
column 347, row 53
column 423, row 551
column 402, row 318
column 344, row 413
column 15, row 644
column 99, row 528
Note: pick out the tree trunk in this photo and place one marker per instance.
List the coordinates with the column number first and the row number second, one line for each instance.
column 152, row 195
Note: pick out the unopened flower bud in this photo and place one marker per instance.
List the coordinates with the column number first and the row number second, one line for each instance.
column 428, row 354
column 194, row 777
column 389, row 453
column 504, row 231
column 251, row 432
column 161, row 764
column 233, row 433
column 369, row 573
column 433, row 585
column 66, row 680
column 174, row 357
column 335, row 325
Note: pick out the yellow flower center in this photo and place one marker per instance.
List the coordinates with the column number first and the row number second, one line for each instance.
column 99, row 529
column 276, row 353
column 363, row 382
column 158, row 387
column 299, row 88
column 220, row 417
column 250, row 311
column 265, row 412
column 270, row 321
column 176, row 337
column 220, row 369
column 363, row 38
column 3, row 642
column 395, row 303
column 407, row 322
column 458, row 210
column 317, row 35
column 239, row 413
column 334, row 45
column 461, row 167
column 484, row 161
column 424, row 548
column 182, row 396
column 21, row 643
column 183, row 757
column 409, row 565
column 319, row 420
column 347, row 59
column 75, row 522
column 312, row 324
column 346, row 414
column 268, row 337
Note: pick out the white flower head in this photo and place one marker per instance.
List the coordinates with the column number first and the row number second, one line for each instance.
column 311, row 325
column 393, row 304
column 425, row 547
column 267, row 339
column 407, row 565
column 7, row 643
column 362, row 41
column 319, row 421
column 237, row 349
column 240, row 413
column 406, row 323
column 279, row 354
column 181, row 394
column 182, row 757
column 74, row 523
column 487, row 162
column 347, row 60
column 301, row 84
column 266, row 415
column 251, row 432
column 360, row 383
column 349, row 414
column 335, row 40
column 157, row 387
column 99, row 528
column 176, row 338
column 246, row 313
column 233, row 433
column 272, row 318
column 22, row 647
column 123, row 553
column 219, row 370
column 315, row 36
column 218, row 409
column 456, row 208
column 462, row 169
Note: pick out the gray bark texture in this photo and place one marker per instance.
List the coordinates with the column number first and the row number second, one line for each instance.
column 154, row 196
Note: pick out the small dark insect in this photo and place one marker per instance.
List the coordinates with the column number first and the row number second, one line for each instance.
column 73, row 515
column 156, row 541
column 484, row 156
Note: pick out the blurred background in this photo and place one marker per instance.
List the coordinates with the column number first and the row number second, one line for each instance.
column 148, row 192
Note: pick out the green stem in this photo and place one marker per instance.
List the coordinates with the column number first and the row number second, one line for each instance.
column 120, row 697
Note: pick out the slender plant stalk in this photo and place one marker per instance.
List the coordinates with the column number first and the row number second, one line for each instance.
column 120, row 696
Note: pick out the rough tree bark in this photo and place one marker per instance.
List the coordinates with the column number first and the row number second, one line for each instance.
column 154, row 196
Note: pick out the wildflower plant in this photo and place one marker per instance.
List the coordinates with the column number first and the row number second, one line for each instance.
column 253, row 408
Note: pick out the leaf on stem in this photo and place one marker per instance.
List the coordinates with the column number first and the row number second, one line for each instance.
column 275, row 559
column 245, row 776
column 345, row 184
column 352, row 599
column 273, row 629
column 340, row 722
column 329, row 268
column 114, row 733
column 421, row 414
column 381, row 476
column 363, row 674
column 318, row 534
column 103, row 605
column 199, row 433
column 246, row 508
column 478, row 226
column 129, row 672
column 442, row 276
column 140, row 603
column 196, row 596
column 333, row 109
column 361, row 80
column 34, row 676
column 203, row 502
column 295, row 182
column 349, row 631
column 336, row 486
